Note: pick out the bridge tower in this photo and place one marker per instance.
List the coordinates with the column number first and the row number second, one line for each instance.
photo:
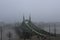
column 29, row 18
column 23, row 18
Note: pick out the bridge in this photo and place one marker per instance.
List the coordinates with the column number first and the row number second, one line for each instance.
column 27, row 29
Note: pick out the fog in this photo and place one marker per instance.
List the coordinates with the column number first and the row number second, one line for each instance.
column 40, row 10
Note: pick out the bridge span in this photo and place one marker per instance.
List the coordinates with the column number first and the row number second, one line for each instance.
column 27, row 29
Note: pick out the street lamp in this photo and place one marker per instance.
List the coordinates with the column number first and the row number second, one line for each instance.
column 55, row 30
column 1, row 32
column 49, row 31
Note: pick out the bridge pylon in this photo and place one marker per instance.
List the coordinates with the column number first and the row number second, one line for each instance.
column 23, row 18
column 29, row 18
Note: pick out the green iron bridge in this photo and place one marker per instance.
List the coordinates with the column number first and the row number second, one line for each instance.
column 29, row 29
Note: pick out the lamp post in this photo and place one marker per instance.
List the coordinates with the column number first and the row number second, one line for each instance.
column 9, row 35
column 55, row 30
column 1, row 33
column 49, row 31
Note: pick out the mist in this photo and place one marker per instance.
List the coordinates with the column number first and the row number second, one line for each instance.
column 40, row 10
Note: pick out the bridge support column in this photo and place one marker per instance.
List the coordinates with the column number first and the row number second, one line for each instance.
column 38, row 37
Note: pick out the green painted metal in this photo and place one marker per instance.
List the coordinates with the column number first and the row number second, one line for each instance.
column 38, row 29
column 34, row 30
column 30, row 27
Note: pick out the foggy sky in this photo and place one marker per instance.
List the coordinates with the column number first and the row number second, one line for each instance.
column 40, row 10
